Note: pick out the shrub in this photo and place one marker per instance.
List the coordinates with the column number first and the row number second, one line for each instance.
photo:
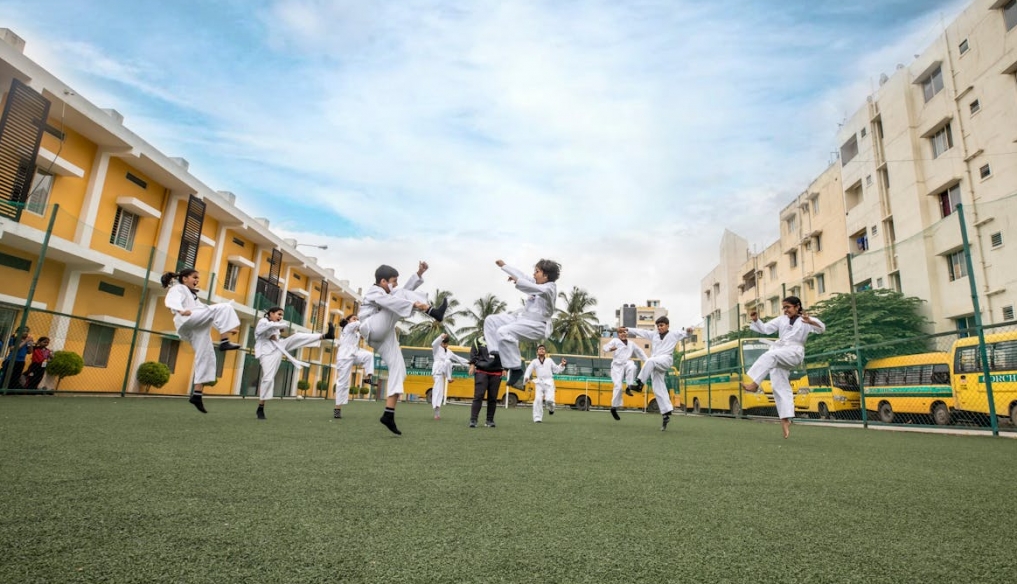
column 153, row 374
column 303, row 385
column 365, row 390
column 322, row 385
column 64, row 364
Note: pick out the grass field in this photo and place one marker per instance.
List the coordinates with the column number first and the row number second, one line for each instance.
column 149, row 490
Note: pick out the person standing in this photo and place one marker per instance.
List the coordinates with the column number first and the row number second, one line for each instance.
column 662, row 344
column 269, row 350
column 19, row 347
column 194, row 321
column 623, row 368
column 349, row 355
column 486, row 381
column 40, row 358
column 543, row 385
column 788, row 353
column 441, row 370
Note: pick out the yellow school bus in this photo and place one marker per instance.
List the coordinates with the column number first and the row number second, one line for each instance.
column 711, row 378
column 910, row 384
column 586, row 382
column 968, row 380
column 828, row 391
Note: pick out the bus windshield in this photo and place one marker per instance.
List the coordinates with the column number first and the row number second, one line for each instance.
column 752, row 350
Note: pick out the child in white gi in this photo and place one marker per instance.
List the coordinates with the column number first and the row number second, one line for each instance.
column 441, row 370
column 269, row 350
column 783, row 356
column 193, row 321
column 623, row 368
column 502, row 332
column 350, row 354
column 544, row 384
column 383, row 307
column 662, row 344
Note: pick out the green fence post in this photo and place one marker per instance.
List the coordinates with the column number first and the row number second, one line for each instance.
column 709, row 381
column 137, row 323
column 5, row 382
column 859, row 368
column 978, row 322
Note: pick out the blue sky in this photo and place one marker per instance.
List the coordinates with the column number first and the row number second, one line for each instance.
column 620, row 138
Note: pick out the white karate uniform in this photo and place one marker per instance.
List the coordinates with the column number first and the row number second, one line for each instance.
column 623, row 368
column 349, row 355
column 379, row 314
column 543, row 385
column 787, row 353
column 270, row 356
column 502, row 332
column 196, row 327
column 660, row 362
column 441, row 370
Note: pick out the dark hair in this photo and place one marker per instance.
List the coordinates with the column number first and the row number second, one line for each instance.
column 793, row 301
column 445, row 340
column 551, row 269
column 385, row 272
column 41, row 339
column 542, row 345
column 343, row 322
column 664, row 320
column 168, row 277
column 273, row 309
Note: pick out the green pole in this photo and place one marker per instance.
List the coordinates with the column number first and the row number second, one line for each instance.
column 982, row 354
column 709, row 384
column 738, row 325
column 31, row 291
column 211, row 286
column 859, row 369
column 137, row 323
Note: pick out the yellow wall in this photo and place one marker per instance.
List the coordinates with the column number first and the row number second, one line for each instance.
column 17, row 282
column 116, row 186
column 67, row 191
column 245, row 277
column 92, row 301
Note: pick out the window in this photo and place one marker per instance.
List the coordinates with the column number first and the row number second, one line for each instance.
column 168, row 353
column 792, row 223
column 895, row 282
column 793, row 258
column 821, row 284
column 38, row 197
column 774, row 306
column 819, row 242
column 975, row 106
column 884, row 176
column 861, row 241
column 815, row 206
column 949, row 199
column 808, row 245
column 98, row 343
column 796, row 291
column 958, row 268
column 238, row 241
column 125, row 224
column 868, row 180
column 773, row 272
column 849, row 150
column 853, row 195
column 963, row 46
column 1008, row 313
column 232, row 272
column 862, row 133
column 997, row 239
column 985, row 172
column 1010, row 14
column 875, row 231
column 941, row 141
column 15, row 262
column 965, row 325
column 933, row 84
column 811, row 283
column 879, row 282
column 863, row 286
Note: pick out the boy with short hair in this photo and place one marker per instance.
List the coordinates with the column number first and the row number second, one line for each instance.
column 349, row 354
column 383, row 307
column 441, row 370
column 660, row 362
column 502, row 332
column 623, row 368
column 269, row 350
column 544, row 383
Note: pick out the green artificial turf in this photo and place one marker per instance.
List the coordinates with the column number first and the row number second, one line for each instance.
column 102, row 489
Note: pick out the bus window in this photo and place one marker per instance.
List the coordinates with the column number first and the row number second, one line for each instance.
column 1004, row 356
column 940, row 374
column 966, row 360
column 819, row 377
column 917, row 374
column 846, row 380
column 895, row 376
column 753, row 350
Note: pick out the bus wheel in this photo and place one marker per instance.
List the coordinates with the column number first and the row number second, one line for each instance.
column 824, row 412
column 513, row 400
column 941, row 415
column 428, row 396
column 736, row 408
column 695, row 405
column 583, row 403
column 885, row 413
column 1013, row 414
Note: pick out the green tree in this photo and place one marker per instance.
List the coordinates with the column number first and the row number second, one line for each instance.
column 883, row 316
column 482, row 308
column 576, row 328
column 423, row 332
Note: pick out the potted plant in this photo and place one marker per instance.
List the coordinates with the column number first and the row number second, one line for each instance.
column 364, row 390
column 64, row 364
column 322, row 387
column 303, row 385
column 152, row 374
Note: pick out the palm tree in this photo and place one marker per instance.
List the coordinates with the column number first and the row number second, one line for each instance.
column 576, row 327
column 423, row 332
column 483, row 307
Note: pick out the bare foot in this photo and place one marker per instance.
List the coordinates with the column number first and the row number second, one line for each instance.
column 750, row 387
column 786, row 424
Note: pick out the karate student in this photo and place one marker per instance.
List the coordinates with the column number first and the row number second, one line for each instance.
column 544, row 383
column 502, row 332
column 383, row 307
column 350, row 354
column 662, row 344
column 269, row 350
column 788, row 353
column 623, row 368
column 194, row 321
column 441, row 370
